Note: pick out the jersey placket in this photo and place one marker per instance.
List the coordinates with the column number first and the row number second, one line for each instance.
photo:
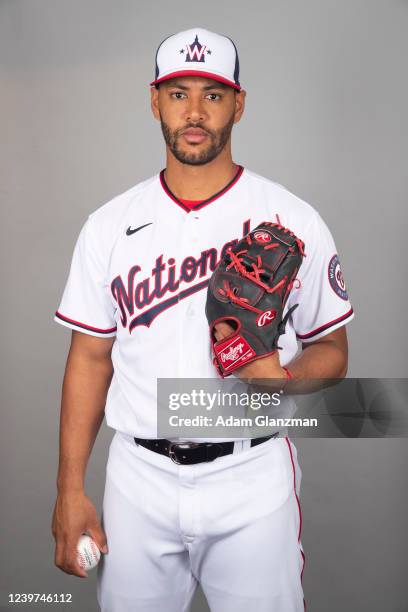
column 189, row 245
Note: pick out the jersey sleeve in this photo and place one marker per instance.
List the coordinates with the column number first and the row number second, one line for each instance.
column 86, row 305
column 322, row 296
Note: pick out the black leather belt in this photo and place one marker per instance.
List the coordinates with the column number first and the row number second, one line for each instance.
column 191, row 452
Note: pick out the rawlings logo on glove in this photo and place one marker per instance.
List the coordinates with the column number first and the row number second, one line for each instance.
column 248, row 290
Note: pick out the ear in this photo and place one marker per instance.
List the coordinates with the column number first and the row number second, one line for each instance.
column 154, row 102
column 239, row 105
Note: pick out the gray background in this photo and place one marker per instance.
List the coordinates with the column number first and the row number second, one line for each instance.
column 326, row 116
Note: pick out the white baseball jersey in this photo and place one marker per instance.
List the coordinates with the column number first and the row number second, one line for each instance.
column 140, row 272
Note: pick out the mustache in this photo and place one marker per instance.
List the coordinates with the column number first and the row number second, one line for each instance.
column 194, row 125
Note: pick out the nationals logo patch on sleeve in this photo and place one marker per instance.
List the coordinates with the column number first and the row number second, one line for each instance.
column 336, row 278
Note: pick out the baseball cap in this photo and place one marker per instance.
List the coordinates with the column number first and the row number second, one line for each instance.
column 198, row 52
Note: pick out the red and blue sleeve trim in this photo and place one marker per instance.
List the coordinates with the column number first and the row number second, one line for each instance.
column 83, row 325
column 323, row 328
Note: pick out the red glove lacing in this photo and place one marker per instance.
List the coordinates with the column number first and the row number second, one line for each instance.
column 254, row 275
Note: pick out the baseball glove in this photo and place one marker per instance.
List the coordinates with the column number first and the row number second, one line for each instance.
column 248, row 290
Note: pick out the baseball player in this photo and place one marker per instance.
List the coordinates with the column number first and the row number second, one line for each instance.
column 224, row 513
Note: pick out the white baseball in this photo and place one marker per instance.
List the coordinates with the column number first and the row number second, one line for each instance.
column 88, row 553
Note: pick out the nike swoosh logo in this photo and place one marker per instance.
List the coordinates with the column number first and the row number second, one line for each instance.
column 131, row 231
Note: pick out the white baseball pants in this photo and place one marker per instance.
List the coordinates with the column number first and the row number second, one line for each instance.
column 232, row 525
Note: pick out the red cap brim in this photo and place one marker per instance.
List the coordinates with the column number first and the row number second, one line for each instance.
column 200, row 73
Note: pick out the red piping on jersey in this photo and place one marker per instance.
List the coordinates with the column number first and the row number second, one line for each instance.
column 300, row 511
column 95, row 329
column 201, row 73
column 324, row 327
column 202, row 203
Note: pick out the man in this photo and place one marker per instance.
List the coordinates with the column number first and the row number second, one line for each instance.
column 135, row 300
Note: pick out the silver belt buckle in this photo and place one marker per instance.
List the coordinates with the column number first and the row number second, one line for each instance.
column 173, row 455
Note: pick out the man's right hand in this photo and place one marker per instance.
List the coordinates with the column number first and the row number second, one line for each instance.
column 74, row 514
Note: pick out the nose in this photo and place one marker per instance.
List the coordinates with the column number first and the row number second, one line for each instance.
column 195, row 111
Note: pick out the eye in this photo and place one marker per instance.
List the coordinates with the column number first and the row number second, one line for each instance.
column 213, row 96
column 179, row 95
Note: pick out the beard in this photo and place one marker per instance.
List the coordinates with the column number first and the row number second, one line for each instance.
column 218, row 140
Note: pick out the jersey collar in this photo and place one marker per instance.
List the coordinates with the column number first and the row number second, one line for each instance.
column 202, row 203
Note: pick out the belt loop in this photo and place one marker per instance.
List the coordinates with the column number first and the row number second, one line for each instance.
column 238, row 447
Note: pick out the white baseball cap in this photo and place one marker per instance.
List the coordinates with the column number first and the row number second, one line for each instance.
column 198, row 52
